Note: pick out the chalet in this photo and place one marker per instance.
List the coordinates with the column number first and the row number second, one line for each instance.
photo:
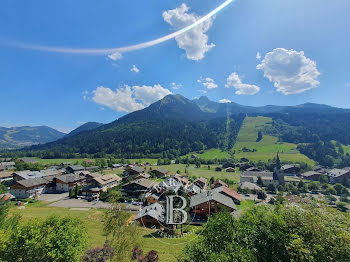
column 290, row 170
column 74, row 169
column 107, row 181
column 160, row 172
column 253, row 169
column 151, row 216
column 142, row 175
column 219, row 183
column 5, row 176
column 168, row 185
column 67, row 182
column 250, row 186
column 6, row 197
column 92, row 192
column 339, row 176
column 28, row 160
column 26, row 174
column 137, row 188
column 275, row 178
column 229, row 193
column 201, row 182
column 320, row 169
column 131, row 170
column 91, row 176
column 207, row 203
column 5, row 166
column 243, row 166
column 117, row 166
column 230, row 169
column 311, row 175
column 29, row 188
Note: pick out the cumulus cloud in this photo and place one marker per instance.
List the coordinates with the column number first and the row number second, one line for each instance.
column 290, row 71
column 224, row 101
column 258, row 56
column 207, row 82
column 134, row 69
column 129, row 98
column 195, row 41
column 115, row 56
column 241, row 89
column 85, row 95
column 175, row 86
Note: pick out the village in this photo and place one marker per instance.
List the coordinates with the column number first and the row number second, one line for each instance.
column 144, row 187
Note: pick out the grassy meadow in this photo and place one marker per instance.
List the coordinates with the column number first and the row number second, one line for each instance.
column 268, row 147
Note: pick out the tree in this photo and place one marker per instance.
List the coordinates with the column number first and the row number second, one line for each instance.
column 122, row 236
column 323, row 179
column 274, row 233
column 57, row 239
column 260, row 136
column 271, row 188
column 260, row 181
column 340, row 189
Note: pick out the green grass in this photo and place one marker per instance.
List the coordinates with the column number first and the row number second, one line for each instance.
column 245, row 204
column 203, row 171
column 57, row 161
column 268, row 147
column 168, row 249
column 211, row 154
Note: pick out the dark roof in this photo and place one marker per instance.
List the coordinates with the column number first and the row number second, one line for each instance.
column 161, row 170
column 137, row 169
column 35, row 181
column 212, row 195
column 310, row 173
column 142, row 182
column 71, row 178
column 76, row 168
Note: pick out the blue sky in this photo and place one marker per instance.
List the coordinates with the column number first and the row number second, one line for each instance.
column 303, row 47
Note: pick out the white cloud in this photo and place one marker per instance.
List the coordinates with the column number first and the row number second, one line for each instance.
column 195, row 41
column 175, row 86
column 224, row 101
column 134, row 69
column 203, row 91
column 207, row 82
column 291, row 71
column 129, row 98
column 241, row 89
column 85, row 94
column 115, row 56
column 258, row 56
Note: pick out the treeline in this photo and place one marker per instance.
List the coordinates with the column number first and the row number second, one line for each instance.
column 158, row 138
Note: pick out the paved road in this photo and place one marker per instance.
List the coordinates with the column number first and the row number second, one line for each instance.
column 52, row 197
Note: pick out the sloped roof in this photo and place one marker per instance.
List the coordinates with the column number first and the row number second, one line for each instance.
column 228, row 191
column 212, row 195
column 335, row 172
column 161, row 170
column 218, row 181
column 310, row 173
column 155, row 211
column 250, row 186
column 106, row 179
column 137, row 169
column 76, row 167
column 71, row 178
column 142, row 182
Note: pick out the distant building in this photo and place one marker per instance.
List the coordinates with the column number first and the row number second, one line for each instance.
column 311, row 175
column 207, row 203
column 74, row 169
column 30, row 188
column 151, row 216
column 5, row 166
column 224, row 190
column 5, row 176
column 28, row 160
column 137, row 188
column 219, row 183
column 107, row 181
column 160, row 172
column 290, row 170
column 275, row 178
column 230, row 169
column 218, row 169
column 201, row 182
column 339, row 176
column 68, row 182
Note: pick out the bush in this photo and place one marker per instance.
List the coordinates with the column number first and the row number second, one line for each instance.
column 274, row 233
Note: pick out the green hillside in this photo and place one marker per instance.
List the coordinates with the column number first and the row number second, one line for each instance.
column 267, row 147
